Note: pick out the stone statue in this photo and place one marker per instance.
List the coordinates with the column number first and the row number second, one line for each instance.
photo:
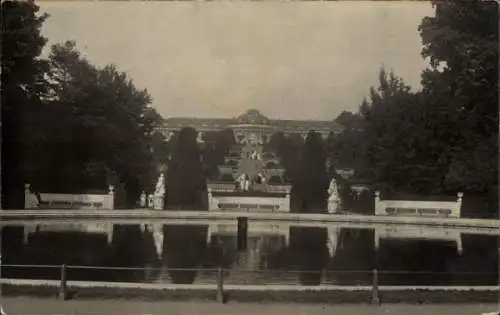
column 247, row 183
column 261, row 179
column 159, row 195
column 334, row 197
column 160, row 186
column 34, row 200
column 252, row 139
column 241, row 181
column 199, row 137
column 244, row 182
column 142, row 200
column 150, row 201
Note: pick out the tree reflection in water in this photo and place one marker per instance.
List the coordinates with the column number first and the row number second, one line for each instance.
column 308, row 248
column 133, row 248
column 184, row 247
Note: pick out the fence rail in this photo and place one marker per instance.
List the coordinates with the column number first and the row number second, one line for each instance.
column 345, row 271
column 240, row 276
column 64, row 276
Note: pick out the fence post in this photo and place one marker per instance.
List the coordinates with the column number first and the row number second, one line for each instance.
column 63, row 287
column 220, row 285
column 375, row 293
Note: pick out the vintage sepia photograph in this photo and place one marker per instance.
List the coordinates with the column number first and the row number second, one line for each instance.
column 249, row 157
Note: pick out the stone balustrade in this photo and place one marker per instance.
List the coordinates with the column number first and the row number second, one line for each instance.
column 418, row 208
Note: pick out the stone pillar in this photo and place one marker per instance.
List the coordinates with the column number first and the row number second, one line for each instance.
column 158, row 202
column 27, row 196
column 379, row 207
column 288, row 202
column 111, row 199
column 458, row 210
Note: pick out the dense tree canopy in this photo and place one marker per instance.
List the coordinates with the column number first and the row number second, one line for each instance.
column 461, row 42
column 444, row 138
column 23, row 84
column 68, row 126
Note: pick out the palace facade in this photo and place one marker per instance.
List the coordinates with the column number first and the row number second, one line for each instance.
column 250, row 127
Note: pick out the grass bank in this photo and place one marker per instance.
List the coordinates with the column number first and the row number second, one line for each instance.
column 334, row 295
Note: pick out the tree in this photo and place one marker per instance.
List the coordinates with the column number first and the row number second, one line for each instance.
column 312, row 182
column 348, row 148
column 217, row 145
column 461, row 41
column 23, row 84
column 93, row 131
column 185, row 177
column 183, row 248
column 390, row 130
column 308, row 246
column 115, row 127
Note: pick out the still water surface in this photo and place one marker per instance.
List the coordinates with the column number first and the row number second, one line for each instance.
column 288, row 255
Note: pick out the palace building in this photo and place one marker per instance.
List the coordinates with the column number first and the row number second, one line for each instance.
column 250, row 127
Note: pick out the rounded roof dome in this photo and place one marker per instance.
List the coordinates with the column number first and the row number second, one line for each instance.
column 252, row 116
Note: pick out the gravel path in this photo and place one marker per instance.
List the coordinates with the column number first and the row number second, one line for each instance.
column 36, row 306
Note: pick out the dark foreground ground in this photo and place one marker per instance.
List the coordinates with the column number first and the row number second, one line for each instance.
column 48, row 306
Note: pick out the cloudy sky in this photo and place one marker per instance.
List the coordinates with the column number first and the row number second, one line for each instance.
column 290, row 60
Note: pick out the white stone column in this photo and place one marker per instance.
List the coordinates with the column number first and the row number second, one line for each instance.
column 379, row 206
column 27, row 196
column 111, row 197
column 458, row 209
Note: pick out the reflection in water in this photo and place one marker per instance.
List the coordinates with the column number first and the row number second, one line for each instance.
column 332, row 255
column 309, row 252
column 354, row 258
column 183, row 247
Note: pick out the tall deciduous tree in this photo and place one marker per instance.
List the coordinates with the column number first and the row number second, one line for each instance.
column 106, row 122
column 348, row 148
column 23, row 84
column 461, row 41
column 388, row 129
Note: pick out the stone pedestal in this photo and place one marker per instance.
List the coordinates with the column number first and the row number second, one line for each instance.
column 158, row 203
column 333, row 206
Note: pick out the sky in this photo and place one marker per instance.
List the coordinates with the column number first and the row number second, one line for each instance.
column 289, row 60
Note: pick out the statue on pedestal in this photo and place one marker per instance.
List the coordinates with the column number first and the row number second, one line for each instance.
column 150, row 201
column 159, row 193
column 334, row 197
column 142, row 200
column 261, row 179
column 243, row 182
